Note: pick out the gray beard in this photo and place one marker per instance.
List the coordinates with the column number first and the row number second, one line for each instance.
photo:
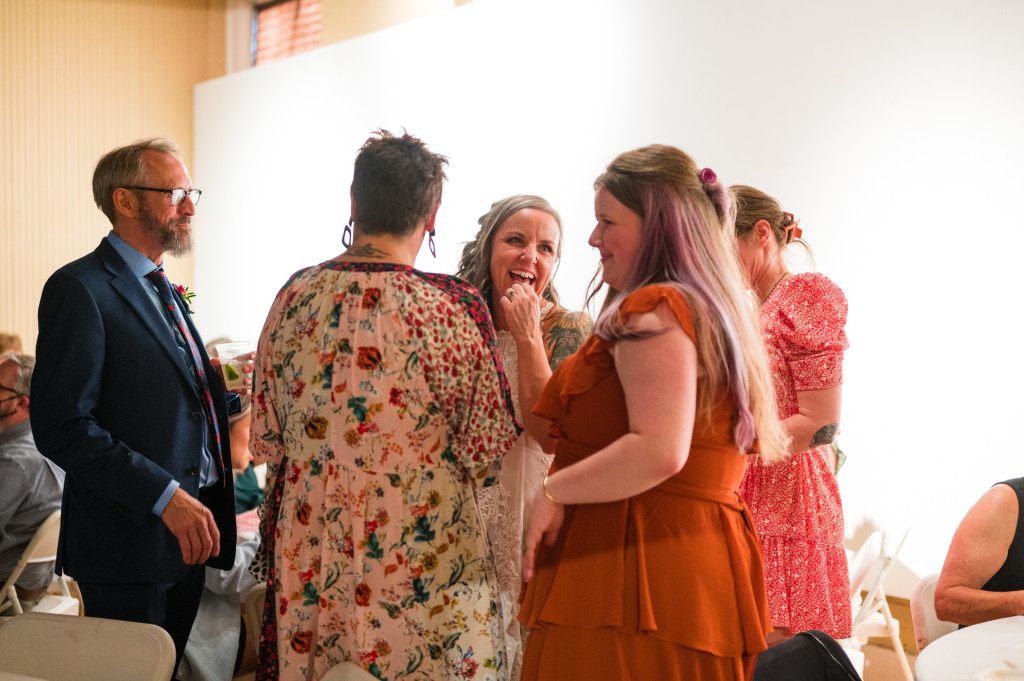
column 170, row 240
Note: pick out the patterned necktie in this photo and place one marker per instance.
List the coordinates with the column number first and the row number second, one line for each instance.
column 163, row 286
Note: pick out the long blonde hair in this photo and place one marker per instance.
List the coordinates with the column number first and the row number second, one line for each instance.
column 688, row 242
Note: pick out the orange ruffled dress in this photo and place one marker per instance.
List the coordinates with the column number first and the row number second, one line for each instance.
column 668, row 584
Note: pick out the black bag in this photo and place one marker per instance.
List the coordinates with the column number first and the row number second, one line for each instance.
column 808, row 656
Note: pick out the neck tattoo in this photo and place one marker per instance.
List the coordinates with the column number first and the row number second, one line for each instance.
column 772, row 289
column 366, row 250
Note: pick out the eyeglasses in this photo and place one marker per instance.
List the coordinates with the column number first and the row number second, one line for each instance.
column 16, row 394
column 177, row 195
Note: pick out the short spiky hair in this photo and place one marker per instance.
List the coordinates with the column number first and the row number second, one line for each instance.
column 396, row 183
column 125, row 167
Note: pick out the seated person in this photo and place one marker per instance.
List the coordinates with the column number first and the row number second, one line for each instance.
column 983, row 576
column 217, row 640
column 30, row 485
column 248, row 493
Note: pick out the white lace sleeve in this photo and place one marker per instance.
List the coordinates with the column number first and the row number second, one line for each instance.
column 502, row 507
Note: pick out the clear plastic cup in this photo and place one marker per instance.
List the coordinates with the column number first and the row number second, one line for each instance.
column 233, row 356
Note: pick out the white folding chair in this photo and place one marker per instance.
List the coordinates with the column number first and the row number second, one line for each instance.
column 57, row 647
column 42, row 549
column 862, row 562
column 860, row 565
column 927, row 625
column 871, row 616
column 253, row 600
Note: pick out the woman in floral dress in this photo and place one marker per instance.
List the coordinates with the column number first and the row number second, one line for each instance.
column 381, row 408
column 796, row 504
column 512, row 260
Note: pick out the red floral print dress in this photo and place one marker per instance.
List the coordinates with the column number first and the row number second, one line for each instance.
column 381, row 407
column 795, row 503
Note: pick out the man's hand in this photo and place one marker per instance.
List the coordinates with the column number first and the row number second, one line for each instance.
column 193, row 525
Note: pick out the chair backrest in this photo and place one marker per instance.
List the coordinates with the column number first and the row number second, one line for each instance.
column 60, row 647
column 41, row 549
column 254, row 600
column 862, row 562
column 927, row 625
column 875, row 592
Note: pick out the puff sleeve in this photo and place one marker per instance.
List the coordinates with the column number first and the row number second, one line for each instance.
column 810, row 328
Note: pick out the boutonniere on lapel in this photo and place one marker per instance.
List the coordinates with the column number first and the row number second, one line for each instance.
column 186, row 295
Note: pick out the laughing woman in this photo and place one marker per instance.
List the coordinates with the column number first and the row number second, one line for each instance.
column 511, row 261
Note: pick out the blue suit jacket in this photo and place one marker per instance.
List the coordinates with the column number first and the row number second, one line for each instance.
column 113, row 404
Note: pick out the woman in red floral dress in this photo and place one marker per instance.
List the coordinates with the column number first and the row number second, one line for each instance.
column 795, row 502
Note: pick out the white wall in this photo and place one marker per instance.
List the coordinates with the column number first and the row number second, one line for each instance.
column 892, row 128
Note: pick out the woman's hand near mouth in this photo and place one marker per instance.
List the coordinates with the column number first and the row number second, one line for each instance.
column 522, row 314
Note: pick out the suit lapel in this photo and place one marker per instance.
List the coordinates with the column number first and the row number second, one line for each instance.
column 130, row 288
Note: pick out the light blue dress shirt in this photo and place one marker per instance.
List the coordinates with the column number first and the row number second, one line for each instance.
column 140, row 265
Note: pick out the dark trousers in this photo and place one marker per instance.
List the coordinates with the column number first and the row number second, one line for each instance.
column 170, row 606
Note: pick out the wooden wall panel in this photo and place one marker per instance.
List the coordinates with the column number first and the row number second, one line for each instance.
column 77, row 78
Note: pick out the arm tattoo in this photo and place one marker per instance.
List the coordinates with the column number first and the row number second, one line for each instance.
column 566, row 342
column 824, row 436
column 566, row 336
column 367, row 250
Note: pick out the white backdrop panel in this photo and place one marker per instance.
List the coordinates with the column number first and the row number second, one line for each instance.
column 891, row 128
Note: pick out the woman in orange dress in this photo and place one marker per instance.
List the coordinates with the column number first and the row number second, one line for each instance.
column 642, row 560
column 796, row 504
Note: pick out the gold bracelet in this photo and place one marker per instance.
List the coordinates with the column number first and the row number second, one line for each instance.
column 547, row 494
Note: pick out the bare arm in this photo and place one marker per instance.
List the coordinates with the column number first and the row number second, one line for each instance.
column 817, row 421
column 659, row 378
column 978, row 550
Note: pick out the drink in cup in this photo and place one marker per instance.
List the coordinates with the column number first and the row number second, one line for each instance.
column 233, row 356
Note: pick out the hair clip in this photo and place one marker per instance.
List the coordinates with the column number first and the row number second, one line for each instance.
column 707, row 176
column 793, row 230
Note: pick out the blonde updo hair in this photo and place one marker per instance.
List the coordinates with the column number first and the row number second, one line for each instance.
column 753, row 205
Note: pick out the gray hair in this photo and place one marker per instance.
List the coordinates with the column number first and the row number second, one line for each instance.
column 23, row 377
column 125, row 167
column 475, row 264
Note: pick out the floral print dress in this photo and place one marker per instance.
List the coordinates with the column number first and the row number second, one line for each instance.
column 795, row 502
column 381, row 408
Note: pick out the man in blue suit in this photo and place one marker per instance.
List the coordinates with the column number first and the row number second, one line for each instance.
column 125, row 400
